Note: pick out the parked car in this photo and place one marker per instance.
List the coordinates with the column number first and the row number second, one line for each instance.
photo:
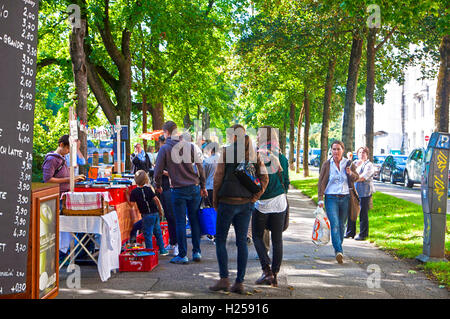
column 377, row 161
column 316, row 161
column 312, row 154
column 392, row 168
column 414, row 167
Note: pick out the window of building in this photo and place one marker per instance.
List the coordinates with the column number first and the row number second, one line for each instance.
column 432, row 106
column 422, row 108
column 414, row 111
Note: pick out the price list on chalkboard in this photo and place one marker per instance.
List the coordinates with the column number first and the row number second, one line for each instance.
column 18, row 53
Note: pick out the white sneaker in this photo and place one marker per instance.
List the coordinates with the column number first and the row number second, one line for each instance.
column 169, row 247
column 340, row 258
column 175, row 250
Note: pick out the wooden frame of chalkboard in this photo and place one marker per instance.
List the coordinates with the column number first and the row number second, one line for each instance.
column 47, row 197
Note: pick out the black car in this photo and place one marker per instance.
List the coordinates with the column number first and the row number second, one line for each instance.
column 392, row 168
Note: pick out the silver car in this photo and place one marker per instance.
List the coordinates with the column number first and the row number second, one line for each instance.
column 414, row 167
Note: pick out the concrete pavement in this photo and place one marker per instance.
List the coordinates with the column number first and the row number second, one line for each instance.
column 307, row 272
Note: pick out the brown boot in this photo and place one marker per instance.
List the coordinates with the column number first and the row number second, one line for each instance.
column 274, row 280
column 266, row 277
column 238, row 288
column 221, row 284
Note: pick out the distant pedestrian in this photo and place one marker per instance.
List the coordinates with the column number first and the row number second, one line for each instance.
column 140, row 160
column 188, row 186
column 365, row 189
column 209, row 165
column 270, row 208
column 145, row 201
column 333, row 183
column 234, row 204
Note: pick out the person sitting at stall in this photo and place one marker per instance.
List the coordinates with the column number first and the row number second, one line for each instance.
column 55, row 169
column 140, row 160
column 148, row 205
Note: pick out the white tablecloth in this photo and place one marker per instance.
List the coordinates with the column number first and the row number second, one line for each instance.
column 110, row 244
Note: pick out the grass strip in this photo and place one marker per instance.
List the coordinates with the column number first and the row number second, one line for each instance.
column 395, row 225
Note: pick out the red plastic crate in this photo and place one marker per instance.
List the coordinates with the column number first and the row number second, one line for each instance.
column 131, row 263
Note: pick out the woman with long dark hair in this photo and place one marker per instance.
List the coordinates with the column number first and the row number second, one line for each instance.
column 234, row 204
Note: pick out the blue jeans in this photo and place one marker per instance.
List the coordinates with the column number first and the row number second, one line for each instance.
column 166, row 201
column 187, row 199
column 150, row 227
column 337, row 212
column 240, row 216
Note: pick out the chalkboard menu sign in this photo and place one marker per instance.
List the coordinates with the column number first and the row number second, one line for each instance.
column 18, row 52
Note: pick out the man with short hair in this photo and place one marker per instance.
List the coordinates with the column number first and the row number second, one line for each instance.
column 188, row 187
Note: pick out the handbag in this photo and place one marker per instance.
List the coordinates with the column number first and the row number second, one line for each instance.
column 354, row 207
column 286, row 218
column 207, row 217
column 245, row 172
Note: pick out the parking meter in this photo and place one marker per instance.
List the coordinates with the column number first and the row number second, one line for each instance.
column 434, row 196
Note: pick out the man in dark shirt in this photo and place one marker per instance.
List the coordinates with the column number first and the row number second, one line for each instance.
column 188, row 186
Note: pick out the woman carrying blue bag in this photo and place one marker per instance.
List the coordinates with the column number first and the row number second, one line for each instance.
column 270, row 209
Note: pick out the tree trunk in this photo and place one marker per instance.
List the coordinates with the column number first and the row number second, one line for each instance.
column 326, row 111
column 348, row 125
column 299, row 131
column 144, row 107
column 404, row 146
column 306, row 135
column 441, row 113
column 370, row 88
column 157, row 115
column 283, row 139
column 79, row 68
column 291, row 135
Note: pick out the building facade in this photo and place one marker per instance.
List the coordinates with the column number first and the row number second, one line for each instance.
column 406, row 118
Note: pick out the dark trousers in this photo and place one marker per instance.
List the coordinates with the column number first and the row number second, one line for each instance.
column 273, row 222
column 363, row 220
column 239, row 216
column 167, row 204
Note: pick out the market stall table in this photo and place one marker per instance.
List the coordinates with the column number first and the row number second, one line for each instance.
column 107, row 226
column 122, row 206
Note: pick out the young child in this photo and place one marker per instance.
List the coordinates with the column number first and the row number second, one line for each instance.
column 149, row 205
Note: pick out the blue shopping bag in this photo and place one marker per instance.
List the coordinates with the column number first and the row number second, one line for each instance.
column 207, row 217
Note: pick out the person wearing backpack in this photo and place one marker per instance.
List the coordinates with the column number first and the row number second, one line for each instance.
column 270, row 209
column 55, row 169
column 234, row 203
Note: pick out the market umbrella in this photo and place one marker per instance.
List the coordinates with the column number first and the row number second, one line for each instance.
column 154, row 135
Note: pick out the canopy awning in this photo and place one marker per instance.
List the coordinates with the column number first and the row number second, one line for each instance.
column 152, row 135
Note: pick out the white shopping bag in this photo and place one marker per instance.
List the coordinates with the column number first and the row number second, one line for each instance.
column 321, row 230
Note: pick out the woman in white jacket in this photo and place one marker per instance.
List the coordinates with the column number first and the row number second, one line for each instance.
column 364, row 187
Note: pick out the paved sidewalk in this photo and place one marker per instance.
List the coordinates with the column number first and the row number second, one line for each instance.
column 307, row 272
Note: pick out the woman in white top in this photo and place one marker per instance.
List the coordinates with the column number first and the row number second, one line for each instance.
column 335, row 177
column 365, row 189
